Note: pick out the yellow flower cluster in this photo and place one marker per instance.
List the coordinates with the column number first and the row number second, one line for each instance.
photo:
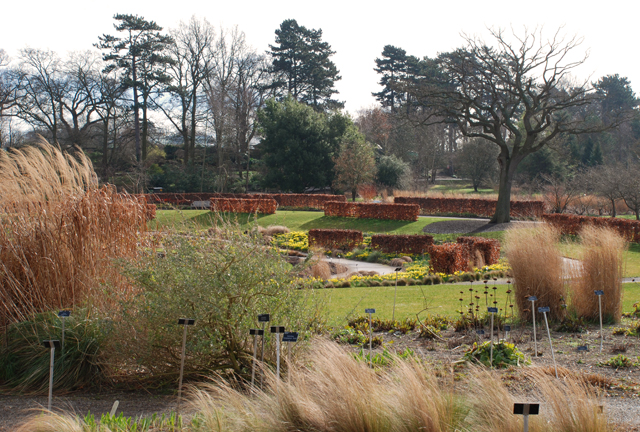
column 296, row 240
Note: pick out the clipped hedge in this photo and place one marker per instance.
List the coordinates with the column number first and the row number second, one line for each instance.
column 475, row 206
column 489, row 249
column 242, row 205
column 448, row 258
column 287, row 200
column 408, row 244
column 408, row 212
column 316, row 201
column 335, row 238
column 572, row 224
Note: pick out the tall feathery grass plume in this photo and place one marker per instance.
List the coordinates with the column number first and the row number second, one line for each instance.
column 537, row 268
column 59, row 230
column 602, row 262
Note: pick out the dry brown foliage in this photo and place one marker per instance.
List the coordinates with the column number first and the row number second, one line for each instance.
column 272, row 230
column 602, row 269
column 59, row 232
column 537, row 268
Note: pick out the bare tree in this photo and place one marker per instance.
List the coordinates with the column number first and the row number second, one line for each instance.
column 8, row 90
column 514, row 95
column 560, row 192
column 478, row 161
column 193, row 57
column 606, row 181
column 630, row 188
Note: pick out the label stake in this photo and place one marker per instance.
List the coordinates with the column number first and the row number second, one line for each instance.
column 277, row 330
column 599, row 293
column 183, row 322
column 492, row 310
column 395, row 294
column 533, row 299
column 255, row 333
column 370, row 311
column 264, row 319
column 544, row 311
column 526, row 409
column 63, row 316
column 52, row 345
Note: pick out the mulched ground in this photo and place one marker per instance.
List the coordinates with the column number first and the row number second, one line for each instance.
column 621, row 391
column 470, row 226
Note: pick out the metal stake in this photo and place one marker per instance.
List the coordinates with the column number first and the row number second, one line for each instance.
column 262, row 355
column 278, row 355
column 599, row 293
column 553, row 356
column 53, row 353
column 533, row 299
column 370, row 311
column 255, row 333
column 395, row 294
column 491, row 355
column 184, row 322
column 52, row 345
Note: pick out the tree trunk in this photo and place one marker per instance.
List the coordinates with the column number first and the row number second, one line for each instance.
column 354, row 192
column 614, row 212
column 508, row 167
column 136, row 109
column 145, row 128
column 105, row 149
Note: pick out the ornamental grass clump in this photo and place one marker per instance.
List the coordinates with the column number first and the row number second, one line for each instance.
column 602, row 269
column 59, row 232
column 537, row 267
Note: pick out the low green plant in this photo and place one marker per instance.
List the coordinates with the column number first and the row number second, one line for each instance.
column 350, row 336
column 385, row 358
column 571, row 323
column 117, row 423
column 505, row 354
column 383, row 325
column 24, row 362
column 620, row 361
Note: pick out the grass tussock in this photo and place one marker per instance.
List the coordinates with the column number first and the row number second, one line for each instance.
column 335, row 392
column 537, row 267
column 602, row 269
column 332, row 390
column 58, row 231
column 273, row 230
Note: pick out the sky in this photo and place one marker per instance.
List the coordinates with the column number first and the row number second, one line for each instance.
column 356, row 30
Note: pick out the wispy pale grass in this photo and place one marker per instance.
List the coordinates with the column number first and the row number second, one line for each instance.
column 537, row 267
column 602, row 261
column 58, row 231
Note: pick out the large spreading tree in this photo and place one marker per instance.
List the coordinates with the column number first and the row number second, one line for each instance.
column 516, row 95
column 301, row 66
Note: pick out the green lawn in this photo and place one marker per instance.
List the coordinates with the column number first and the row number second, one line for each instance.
column 440, row 299
column 300, row 221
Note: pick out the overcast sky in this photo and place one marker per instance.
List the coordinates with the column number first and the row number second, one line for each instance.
column 356, row 30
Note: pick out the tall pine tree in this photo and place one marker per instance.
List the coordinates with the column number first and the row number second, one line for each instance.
column 301, row 66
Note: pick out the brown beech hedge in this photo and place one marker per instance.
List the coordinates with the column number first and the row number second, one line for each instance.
column 449, row 258
column 335, row 238
column 489, row 249
column 241, row 205
column 286, row 200
column 572, row 224
column 475, row 206
column 407, row 244
column 408, row 212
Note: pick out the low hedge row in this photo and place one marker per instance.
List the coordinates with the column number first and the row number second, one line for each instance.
column 572, row 224
column 408, row 212
column 407, row 244
column 449, row 258
column 287, row 200
column 489, row 249
column 335, row 238
column 476, row 206
column 243, row 205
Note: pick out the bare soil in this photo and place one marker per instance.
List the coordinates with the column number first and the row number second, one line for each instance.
column 620, row 387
